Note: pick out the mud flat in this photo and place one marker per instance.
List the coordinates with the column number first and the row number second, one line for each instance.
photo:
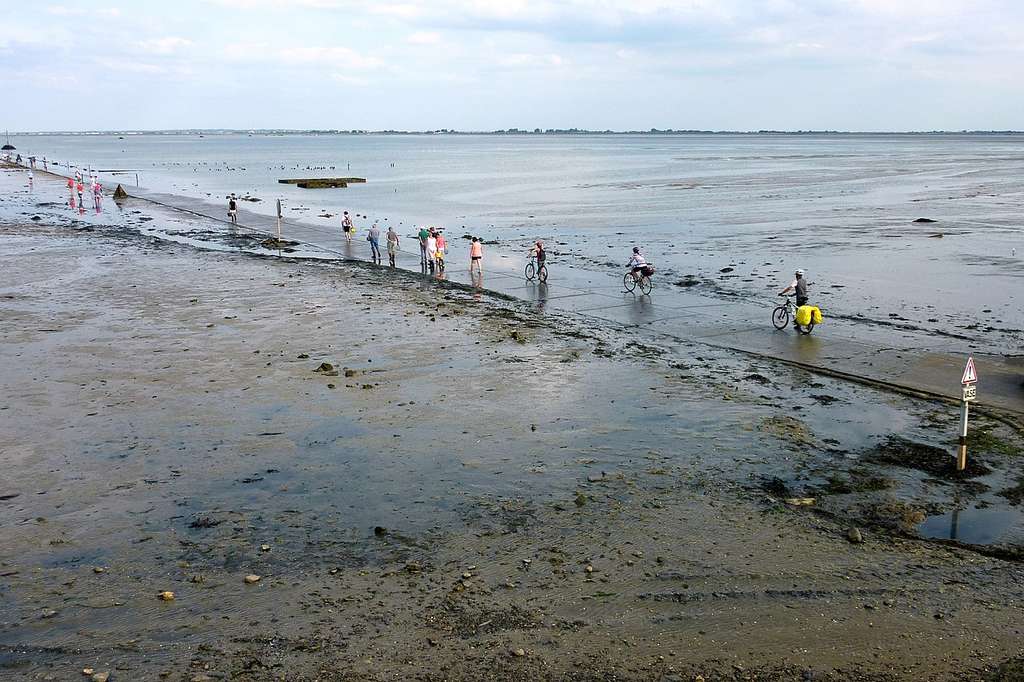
column 469, row 490
column 320, row 183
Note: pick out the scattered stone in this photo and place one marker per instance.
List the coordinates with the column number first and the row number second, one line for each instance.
column 100, row 677
column 594, row 478
column 166, row 595
column 589, row 569
column 48, row 613
column 88, row 672
column 925, row 220
column 380, row 531
column 98, row 569
column 519, row 653
column 264, row 548
column 799, row 501
column 303, row 356
column 855, row 536
column 581, row 499
column 327, row 369
column 252, row 578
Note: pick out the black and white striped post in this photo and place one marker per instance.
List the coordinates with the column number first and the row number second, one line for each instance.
column 970, row 393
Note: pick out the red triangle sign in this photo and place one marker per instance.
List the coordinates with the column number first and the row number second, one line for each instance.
column 970, row 374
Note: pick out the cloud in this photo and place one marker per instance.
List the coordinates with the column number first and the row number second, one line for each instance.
column 162, row 46
column 526, row 60
column 334, row 56
column 424, row 38
column 65, row 11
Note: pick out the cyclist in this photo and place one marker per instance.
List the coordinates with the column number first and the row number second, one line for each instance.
column 637, row 262
column 799, row 287
column 537, row 251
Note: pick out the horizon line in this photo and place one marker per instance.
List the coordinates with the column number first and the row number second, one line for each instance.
column 503, row 131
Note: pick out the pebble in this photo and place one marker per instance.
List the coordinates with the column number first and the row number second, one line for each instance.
column 166, row 595
column 589, row 569
column 98, row 569
column 100, row 677
column 49, row 613
column 252, row 578
column 855, row 536
column 519, row 653
column 87, row 671
column 264, row 548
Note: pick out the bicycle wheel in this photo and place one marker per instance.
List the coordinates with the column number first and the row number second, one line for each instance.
column 628, row 282
column 542, row 273
column 780, row 317
column 529, row 270
column 646, row 285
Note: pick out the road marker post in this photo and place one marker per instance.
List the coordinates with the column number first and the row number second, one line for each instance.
column 968, row 383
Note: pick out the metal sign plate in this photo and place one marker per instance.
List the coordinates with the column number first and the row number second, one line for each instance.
column 970, row 393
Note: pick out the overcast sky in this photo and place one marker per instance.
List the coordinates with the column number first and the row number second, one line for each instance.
column 485, row 64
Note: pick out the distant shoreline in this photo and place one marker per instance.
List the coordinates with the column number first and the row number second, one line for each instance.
column 536, row 132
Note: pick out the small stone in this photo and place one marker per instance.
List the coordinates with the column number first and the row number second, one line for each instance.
column 264, row 548
column 855, row 536
column 49, row 613
column 88, row 672
column 166, row 595
column 467, row 575
column 519, row 653
column 380, row 530
column 100, row 677
column 98, row 569
column 252, row 578
column 589, row 569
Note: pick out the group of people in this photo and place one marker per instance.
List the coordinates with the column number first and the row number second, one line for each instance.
column 76, row 185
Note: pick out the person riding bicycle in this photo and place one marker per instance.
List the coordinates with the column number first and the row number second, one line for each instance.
column 799, row 287
column 637, row 263
column 537, row 251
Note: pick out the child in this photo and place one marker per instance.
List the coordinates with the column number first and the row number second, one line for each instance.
column 442, row 248
column 476, row 255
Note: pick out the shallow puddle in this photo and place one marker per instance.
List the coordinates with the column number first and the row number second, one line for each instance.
column 971, row 526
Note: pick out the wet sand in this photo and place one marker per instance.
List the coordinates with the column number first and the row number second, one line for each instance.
column 481, row 492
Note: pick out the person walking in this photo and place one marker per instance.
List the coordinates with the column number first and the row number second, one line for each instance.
column 392, row 245
column 476, row 255
column 233, row 209
column 80, row 188
column 347, row 226
column 373, row 236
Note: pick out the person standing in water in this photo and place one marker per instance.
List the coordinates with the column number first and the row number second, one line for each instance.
column 233, row 209
column 373, row 236
column 431, row 249
column 392, row 245
column 346, row 226
column 97, row 194
column 442, row 248
column 423, row 234
column 80, row 188
column 476, row 255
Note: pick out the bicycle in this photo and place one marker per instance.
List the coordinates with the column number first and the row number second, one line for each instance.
column 782, row 313
column 641, row 279
column 532, row 270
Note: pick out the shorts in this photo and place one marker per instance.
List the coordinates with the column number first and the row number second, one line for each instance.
column 346, row 229
column 474, row 257
column 392, row 247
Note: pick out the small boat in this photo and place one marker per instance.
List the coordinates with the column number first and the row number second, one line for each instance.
column 8, row 147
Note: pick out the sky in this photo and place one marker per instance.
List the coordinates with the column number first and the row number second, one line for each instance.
column 492, row 64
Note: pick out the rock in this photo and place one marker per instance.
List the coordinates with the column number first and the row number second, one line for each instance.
column 87, row 671
column 264, row 548
column 581, row 499
column 925, row 220
column 252, row 578
column 594, row 478
column 589, row 569
column 467, row 575
column 166, row 595
column 303, row 356
column 48, row 613
column 98, row 569
column 937, row 235
column 100, row 677
column 349, row 372
column 799, row 501
column 855, row 536
column 519, row 653
column 380, row 531
column 413, row 567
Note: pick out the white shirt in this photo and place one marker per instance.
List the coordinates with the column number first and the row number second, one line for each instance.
column 637, row 261
column 431, row 245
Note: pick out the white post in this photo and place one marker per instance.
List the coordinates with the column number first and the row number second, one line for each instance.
column 961, row 456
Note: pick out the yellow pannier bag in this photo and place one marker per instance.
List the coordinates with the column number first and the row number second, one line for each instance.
column 816, row 314
column 803, row 314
